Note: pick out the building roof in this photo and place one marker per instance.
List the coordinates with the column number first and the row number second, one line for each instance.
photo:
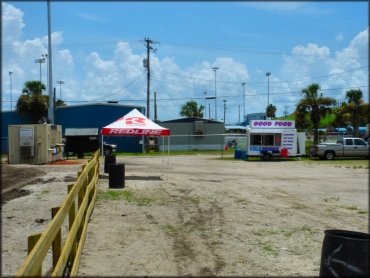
column 102, row 104
column 191, row 120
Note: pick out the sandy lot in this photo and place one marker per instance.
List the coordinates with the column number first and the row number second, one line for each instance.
column 200, row 215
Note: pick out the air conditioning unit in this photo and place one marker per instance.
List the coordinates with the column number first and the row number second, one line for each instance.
column 27, row 151
column 27, row 141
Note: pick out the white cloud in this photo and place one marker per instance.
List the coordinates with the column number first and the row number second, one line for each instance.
column 12, row 21
column 345, row 69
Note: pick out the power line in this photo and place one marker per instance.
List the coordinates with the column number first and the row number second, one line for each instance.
column 224, row 96
column 116, row 92
column 263, row 82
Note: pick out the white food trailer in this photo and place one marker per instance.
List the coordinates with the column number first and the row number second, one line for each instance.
column 269, row 138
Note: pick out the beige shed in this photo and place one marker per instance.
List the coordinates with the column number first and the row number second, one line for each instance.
column 35, row 143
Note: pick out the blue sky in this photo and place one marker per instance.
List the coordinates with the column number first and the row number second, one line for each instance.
column 98, row 51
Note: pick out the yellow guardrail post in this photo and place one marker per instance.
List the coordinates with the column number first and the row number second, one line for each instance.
column 84, row 190
column 32, row 240
column 71, row 219
column 57, row 243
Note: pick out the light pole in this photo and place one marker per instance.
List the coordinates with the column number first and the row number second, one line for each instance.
column 243, row 84
column 215, row 69
column 268, row 87
column 239, row 113
column 209, row 107
column 224, row 111
column 11, row 91
column 40, row 61
column 60, row 82
column 205, row 104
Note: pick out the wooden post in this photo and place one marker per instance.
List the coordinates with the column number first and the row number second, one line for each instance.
column 57, row 243
column 32, row 240
column 71, row 218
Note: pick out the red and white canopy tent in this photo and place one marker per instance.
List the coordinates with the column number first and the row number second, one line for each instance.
column 134, row 123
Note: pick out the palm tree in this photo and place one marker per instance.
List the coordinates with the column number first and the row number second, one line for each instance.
column 32, row 103
column 355, row 112
column 271, row 111
column 191, row 109
column 315, row 105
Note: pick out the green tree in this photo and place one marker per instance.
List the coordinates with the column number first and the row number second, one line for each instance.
column 271, row 111
column 32, row 103
column 315, row 105
column 355, row 112
column 191, row 109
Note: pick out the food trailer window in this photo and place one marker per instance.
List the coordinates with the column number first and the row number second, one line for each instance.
column 277, row 139
column 268, row 140
column 256, row 139
column 262, row 140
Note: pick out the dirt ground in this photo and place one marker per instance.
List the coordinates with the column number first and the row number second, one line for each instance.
column 199, row 215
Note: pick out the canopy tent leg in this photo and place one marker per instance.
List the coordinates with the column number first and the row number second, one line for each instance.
column 102, row 145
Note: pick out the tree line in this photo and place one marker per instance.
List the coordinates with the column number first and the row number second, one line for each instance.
column 310, row 109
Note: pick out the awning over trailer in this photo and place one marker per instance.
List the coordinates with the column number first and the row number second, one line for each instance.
column 134, row 124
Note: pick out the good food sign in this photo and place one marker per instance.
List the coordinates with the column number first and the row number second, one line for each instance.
column 272, row 124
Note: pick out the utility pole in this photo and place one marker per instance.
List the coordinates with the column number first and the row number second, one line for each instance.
column 205, row 104
column 268, row 87
column 148, row 43
column 50, row 70
column 224, row 111
column 54, row 93
column 60, row 82
column 155, row 106
column 11, row 91
column 243, row 84
column 215, row 69
column 286, row 110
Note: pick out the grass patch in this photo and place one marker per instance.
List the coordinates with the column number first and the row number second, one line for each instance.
column 299, row 206
column 126, row 195
column 193, row 200
column 265, row 232
column 170, row 229
column 303, row 229
column 269, row 249
column 42, row 193
column 355, row 208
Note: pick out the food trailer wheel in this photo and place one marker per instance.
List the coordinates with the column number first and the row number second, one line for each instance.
column 266, row 156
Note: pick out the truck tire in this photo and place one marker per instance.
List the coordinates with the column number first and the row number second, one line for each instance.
column 329, row 155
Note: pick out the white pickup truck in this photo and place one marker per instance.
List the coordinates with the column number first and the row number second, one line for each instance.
column 347, row 147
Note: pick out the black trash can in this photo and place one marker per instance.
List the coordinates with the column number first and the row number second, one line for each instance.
column 109, row 159
column 116, row 175
column 345, row 254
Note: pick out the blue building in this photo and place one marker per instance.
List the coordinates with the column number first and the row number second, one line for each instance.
column 95, row 115
column 252, row 116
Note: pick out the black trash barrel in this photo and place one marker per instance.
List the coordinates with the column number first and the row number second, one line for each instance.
column 116, row 175
column 109, row 159
column 345, row 254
